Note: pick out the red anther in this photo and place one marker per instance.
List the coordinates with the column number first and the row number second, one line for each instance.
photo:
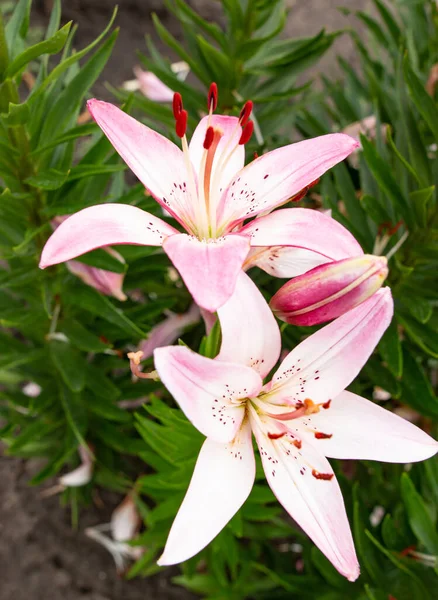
column 246, row 133
column 212, row 97
column 408, row 550
column 276, row 436
column 245, row 113
column 327, row 404
column 297, row 444
column 323, row 436
column 324, row 476
column 395, row 228
column 209, row 137
column 256, row 155
column 181, row 124
column 177, row 105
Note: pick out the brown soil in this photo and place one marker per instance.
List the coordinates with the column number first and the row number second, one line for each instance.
column 42, row 558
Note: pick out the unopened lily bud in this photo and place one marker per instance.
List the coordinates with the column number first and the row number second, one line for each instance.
column 328, row 291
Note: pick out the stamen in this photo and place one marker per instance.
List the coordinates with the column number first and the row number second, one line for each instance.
column 319, row 435
column 177, row 105
column 246, row 133
column 181, row 124
column 209, row 136
column 212, row 97
column 245, row 113
column 324, row 476
column 276, row 436
column 310, row 406
column 206, row 171
column 134, row 363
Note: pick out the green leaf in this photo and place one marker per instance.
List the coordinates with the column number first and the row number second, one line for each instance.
column 52, row 179
column 70, row 364
column 17, row 114
column 50, row 46
column 71, row 60
column 365, row 550
column 423, row 102
column 382, row 172
column 81, row 171
column 187, row 15
column 426, row 337
column 421, row 590
column 420, row 200
column 391, row 351
column 420, row 308
column 68, row 136
column 375, row 210
column 390, row 22
column 418, row 515
column 101, row 385
column 90, row 300
column 382, row 377
column 170, row 41
column 347, row 193
column 105, row 408
column 71, row 97
column 210, row 344
column 17, row 25
column 218, row 64
column 100, row 259
column 81, row 337
column 75, row 414
column 417, row 391
column 4, row 54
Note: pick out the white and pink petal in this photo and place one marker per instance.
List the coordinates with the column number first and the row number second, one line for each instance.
column 210, row 267
column 325, row 363
column 209, row 392
column 355, row 428
column 250, row 334
column 304, row 483
column 304, row 229
column 157, row 162
column 283, row 261
column 270, row 180
column 223, row 478
column 103, row 225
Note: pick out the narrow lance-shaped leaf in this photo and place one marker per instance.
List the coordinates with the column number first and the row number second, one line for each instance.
column 424, row 103
column 50, row 46
column 419, row 518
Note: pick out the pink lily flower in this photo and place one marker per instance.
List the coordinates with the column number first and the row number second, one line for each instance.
column 299, row 418
column 207, row 189
column 105, row 282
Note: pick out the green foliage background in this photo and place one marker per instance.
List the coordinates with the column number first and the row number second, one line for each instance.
column 72, row 341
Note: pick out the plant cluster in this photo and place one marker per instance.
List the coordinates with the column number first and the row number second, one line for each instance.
column 67, row 390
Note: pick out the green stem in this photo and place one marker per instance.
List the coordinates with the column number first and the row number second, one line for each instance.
column 4, row 55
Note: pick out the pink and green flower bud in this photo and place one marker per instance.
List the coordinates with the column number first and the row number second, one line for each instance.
column 328, row 291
